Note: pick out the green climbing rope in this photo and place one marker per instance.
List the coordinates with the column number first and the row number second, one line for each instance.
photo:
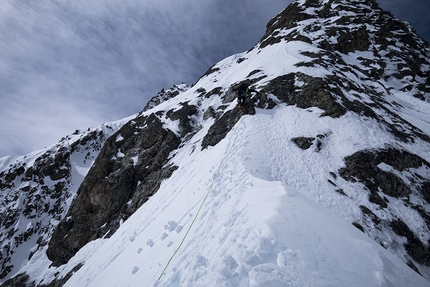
column 201, row 205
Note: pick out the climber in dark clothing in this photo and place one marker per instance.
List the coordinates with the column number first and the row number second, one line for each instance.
column 242, row 93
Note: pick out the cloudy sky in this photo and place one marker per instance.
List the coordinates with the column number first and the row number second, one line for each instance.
column 74, row 64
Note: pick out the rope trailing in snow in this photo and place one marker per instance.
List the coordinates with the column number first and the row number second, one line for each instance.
column 201, row 205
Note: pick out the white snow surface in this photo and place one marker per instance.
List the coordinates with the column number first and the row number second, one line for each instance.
column 268, row 215
column 269, row 218
column 255, row 210
column 256, row 227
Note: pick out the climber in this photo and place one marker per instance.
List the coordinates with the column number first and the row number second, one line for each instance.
column 242, row 92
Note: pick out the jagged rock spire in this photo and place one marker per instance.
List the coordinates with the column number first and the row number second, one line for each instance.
column 345, row 26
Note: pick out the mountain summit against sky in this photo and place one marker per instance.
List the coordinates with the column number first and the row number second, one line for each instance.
column 323, row 180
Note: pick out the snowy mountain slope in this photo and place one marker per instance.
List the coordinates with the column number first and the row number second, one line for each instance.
column 252, row 230
column 37, row 190
column 338, row 135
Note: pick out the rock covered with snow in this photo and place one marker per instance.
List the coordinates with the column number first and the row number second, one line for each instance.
column 37, row 189
column 127, row 171
column 165, row 95
column 321, row 181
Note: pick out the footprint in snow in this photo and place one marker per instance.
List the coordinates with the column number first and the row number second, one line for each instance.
column 135, row 269
column 164, row 236
column 171, row 226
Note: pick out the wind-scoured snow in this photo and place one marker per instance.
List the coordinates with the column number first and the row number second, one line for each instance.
column 257, row 227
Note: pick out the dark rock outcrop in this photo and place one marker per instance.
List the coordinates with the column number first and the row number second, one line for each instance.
column 307, row 142
column 165, row 95
column 303, row 142
column 414, row 246
column 185, row 116
column 127, row 171
column 394, row 173
column 287, row 19
column 42, row 188
column 376, row 169
column 316, row 92
column 20, row 280
column 24, row 280
column 221, row 127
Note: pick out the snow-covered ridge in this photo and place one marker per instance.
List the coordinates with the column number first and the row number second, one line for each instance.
column 253, row 230
column 336, row 144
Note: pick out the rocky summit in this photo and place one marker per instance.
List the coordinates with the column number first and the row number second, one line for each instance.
column 340, row 118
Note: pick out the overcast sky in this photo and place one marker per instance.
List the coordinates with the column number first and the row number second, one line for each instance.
column 74, row 64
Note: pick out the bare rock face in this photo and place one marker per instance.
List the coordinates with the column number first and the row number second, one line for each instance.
column 227, row 120
column 126, row 173
column 393, row 173
column 316, row 92
column 21, row 280
column 220, row 128
column 377, row 170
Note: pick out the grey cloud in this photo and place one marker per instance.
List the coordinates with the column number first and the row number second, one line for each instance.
column 67, row 65
column 80, row 63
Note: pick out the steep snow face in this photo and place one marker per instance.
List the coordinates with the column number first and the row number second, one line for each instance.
column 253, row 225
column 337, row 138
column 351, row 59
